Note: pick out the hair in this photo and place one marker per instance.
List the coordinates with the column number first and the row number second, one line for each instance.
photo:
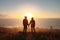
column 32, row 18
column 25, row 16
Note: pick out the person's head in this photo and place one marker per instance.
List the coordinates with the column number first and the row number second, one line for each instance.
column 25, row 17
column 32, row 18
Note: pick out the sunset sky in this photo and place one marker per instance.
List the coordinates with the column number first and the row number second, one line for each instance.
column 38, row 8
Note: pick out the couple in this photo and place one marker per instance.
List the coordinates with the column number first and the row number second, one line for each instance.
column 25, row 24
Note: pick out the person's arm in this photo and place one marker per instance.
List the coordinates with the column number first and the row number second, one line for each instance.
column 29, row 23
column 34, row 22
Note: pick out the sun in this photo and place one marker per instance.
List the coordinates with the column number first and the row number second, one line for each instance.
column 29, row 15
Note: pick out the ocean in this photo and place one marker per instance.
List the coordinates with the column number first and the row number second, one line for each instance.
column 41, row 23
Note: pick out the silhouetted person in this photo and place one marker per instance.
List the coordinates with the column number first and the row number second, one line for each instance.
column 32, row 22
column 25, row 24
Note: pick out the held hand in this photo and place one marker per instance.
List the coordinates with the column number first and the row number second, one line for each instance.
column 28, row 25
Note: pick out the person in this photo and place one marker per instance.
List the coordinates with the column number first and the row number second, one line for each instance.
column 32, row 22
column 25, row 24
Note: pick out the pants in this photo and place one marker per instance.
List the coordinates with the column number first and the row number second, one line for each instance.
column 25, row 29
column 32, row 29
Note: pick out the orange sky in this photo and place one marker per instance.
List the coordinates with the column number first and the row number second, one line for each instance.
column 38, row 8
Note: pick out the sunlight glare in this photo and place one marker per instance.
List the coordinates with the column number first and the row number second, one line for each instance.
column 29, row 15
